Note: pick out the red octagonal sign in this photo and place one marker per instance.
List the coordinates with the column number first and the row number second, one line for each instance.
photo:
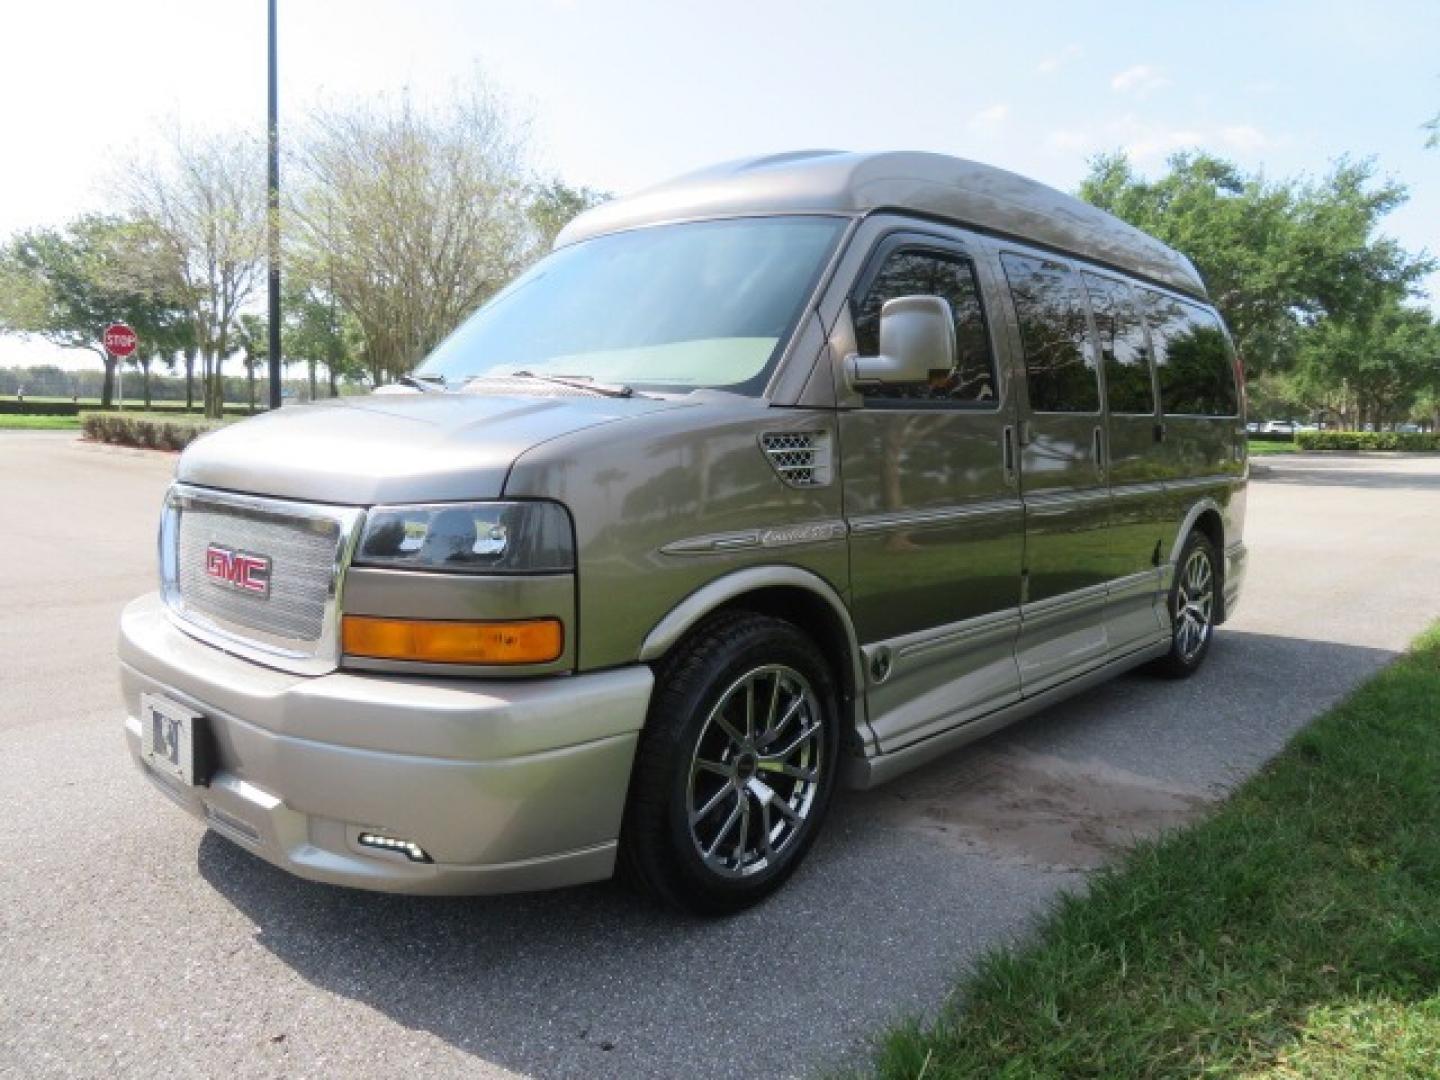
column 120, row 340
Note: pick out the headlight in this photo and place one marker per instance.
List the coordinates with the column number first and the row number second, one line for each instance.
column 471, row 538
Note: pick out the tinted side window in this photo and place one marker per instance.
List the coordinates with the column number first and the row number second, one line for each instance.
column 929, row 273
column 1059, row 364
column 1128, row 388
column 1197, row 377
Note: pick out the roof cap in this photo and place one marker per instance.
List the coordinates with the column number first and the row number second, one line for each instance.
column 934, row 185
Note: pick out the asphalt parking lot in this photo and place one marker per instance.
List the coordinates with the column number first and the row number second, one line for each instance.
column 133, row 943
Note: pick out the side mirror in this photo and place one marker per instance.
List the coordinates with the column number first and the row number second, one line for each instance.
column 917, row 338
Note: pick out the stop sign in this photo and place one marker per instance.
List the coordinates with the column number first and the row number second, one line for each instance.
column 120, row 340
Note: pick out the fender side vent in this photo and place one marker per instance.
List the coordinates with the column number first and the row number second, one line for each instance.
column 801, row 458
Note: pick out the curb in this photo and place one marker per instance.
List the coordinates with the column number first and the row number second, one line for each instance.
column 93, row 447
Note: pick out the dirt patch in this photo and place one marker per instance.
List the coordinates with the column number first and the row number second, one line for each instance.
column 1036, row 809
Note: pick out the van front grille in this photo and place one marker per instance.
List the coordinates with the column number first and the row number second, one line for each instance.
column 301, row 554
column 258, row 573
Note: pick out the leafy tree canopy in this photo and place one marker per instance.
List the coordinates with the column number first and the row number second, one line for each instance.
column 1385, row 360
column 554, row 204
column 1277, row 256
column 66, row 285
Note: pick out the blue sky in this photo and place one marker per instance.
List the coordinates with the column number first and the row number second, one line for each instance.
column 622, row 94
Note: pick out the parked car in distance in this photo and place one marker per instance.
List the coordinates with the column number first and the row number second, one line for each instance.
column 788, row 475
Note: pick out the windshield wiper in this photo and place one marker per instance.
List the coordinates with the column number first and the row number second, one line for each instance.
column 426, row 384
column 576, row 382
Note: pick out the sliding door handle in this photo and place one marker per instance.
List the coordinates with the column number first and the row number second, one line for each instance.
column 1007, row 453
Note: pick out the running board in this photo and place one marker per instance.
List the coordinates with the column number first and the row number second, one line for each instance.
column 870, row 772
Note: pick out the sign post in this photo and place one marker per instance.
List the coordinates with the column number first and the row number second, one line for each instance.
column 120, row 341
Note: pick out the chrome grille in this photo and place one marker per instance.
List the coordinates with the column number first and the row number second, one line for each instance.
column 306, row 546
column 302, row 560
column 802, row 458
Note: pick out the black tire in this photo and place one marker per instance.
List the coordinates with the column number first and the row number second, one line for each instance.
column 1189, row 644
column 661, row 849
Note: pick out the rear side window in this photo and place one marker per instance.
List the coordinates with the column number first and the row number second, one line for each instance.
column 1059, row 365
column 1128, row 387
column 952, row 277
column 1197, row 376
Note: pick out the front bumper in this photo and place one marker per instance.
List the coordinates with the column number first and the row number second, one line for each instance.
column 508, row 784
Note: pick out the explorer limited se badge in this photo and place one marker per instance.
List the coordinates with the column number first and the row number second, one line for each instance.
column 241, row 570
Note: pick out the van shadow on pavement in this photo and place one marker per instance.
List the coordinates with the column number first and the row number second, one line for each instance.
column 909, row 884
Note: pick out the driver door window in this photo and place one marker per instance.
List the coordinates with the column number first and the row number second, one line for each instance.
column 911, row 272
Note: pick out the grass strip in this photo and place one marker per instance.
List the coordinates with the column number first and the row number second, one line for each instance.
column 39, row 423
column 1293, row 932
column 1262, row 447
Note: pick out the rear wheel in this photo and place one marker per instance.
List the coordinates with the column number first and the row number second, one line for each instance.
column 1194, row 599
column 735, row 767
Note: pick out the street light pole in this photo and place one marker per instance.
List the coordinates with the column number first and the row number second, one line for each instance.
column 273, row 221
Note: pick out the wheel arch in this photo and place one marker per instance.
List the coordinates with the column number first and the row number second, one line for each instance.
column 796, row 595
column 1206, row 517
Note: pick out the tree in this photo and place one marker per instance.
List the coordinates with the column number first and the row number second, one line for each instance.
column 66, row 285
column 163, row 332
column 411, row 218
column 158, row 317
column 1284, row 396
column 252, row 335
column 1374, row 369
column 204, row 211
column 554, row 204
column 319, row 332
column 1277, row 257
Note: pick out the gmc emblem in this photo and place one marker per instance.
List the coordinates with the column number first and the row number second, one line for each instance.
column 239, row 570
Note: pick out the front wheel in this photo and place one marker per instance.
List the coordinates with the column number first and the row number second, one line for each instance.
column 1193, row 606
column 735, row 767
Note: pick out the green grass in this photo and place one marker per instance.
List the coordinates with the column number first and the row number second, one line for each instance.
column 39, row 423
column 1262, row 447
column 1294, row 932
column 131, row 401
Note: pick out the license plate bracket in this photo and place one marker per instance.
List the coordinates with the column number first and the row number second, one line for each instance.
column 174, row 740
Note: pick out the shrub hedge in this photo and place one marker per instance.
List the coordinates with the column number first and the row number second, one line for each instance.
column 154, row 431
column 31, row 407
column 1355, row 441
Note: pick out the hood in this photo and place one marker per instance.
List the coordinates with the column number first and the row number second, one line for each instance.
column 394, row 448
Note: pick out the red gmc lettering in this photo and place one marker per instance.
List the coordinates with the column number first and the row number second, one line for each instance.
column 239, row 569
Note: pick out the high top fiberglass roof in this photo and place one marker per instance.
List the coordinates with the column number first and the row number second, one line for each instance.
column 934, row 185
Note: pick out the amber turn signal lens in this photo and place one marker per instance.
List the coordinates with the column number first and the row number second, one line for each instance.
column 533, row 641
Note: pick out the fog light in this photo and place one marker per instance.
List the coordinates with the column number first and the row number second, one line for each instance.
column 412, row 851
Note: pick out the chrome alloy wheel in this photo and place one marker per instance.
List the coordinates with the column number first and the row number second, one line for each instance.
column 756, row 770
column 1194, row 605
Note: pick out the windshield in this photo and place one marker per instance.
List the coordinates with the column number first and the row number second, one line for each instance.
column 672, row 307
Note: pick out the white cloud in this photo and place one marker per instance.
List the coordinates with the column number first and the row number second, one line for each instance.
column 1067, row 140
column 989, row 121
column 1052, row 64
column 1139, row 80
column 1243, row 137
column 1156, row 144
